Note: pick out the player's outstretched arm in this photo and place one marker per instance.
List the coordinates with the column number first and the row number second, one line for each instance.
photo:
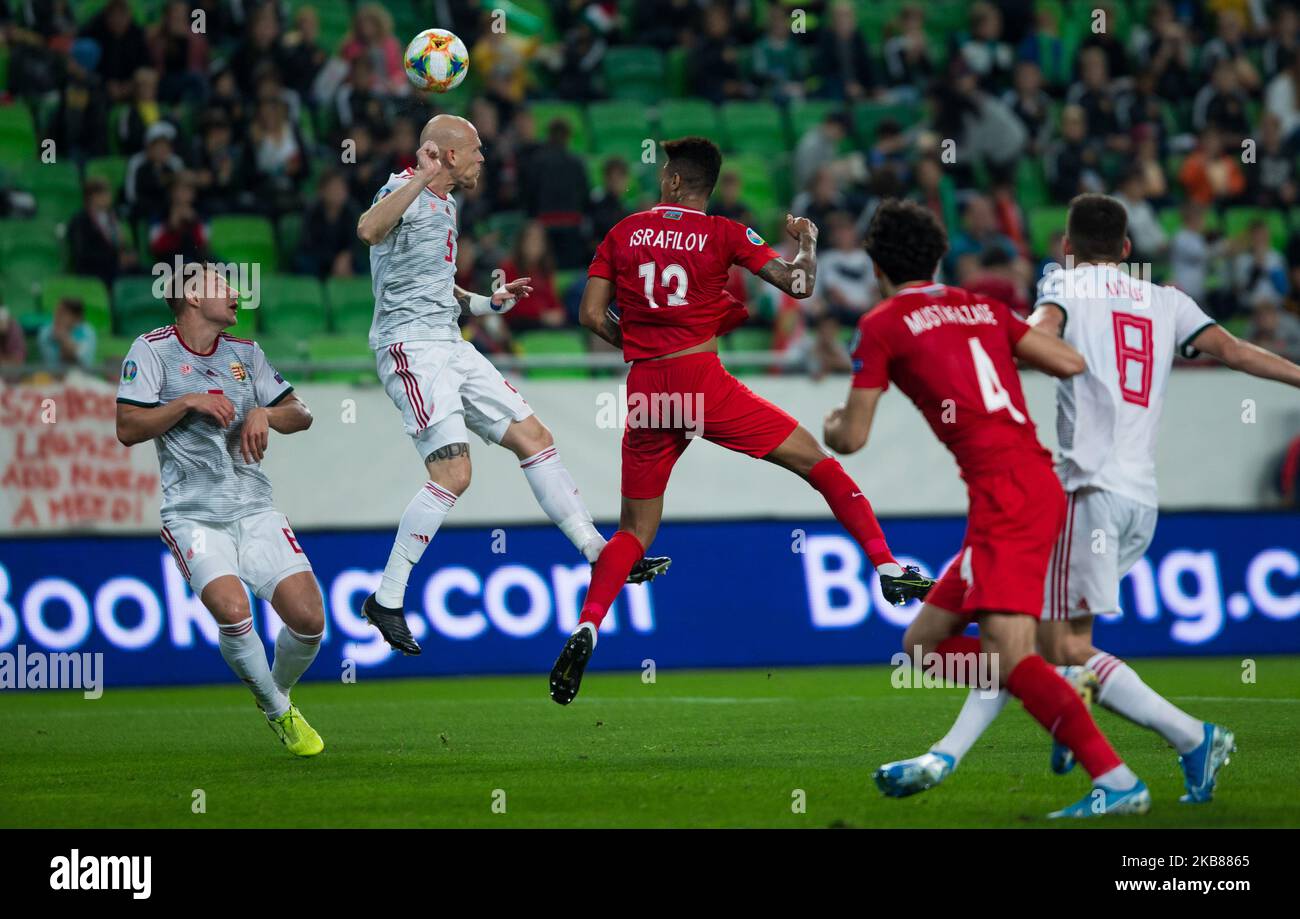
column 503, row 299
column 1246, row 356
column 1049, row 354
column 797, row 276
column 847, row 427
column 138, row 423
column 379, row 220
column 593, row 312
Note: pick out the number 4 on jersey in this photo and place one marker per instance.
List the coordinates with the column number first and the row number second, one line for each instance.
column 995, row 394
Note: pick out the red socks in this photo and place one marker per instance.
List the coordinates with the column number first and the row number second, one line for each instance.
column 1057, row 707
column 954, row 670
column 609, row 574
column 851, row 508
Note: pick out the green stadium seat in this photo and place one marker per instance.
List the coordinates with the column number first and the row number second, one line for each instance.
column 292, row 305
column 743, row 339
column 762, row 187
column 682, row 117
column 754, row 127
column 112, row 348
column 135, row 309
column 17, row 135
column 1043, row 222
column 351, row 306
column 111, row 169
column 57, row 187
column 620, row 129
column 345, row 349
column 288, row 231
column 239, row 238
column 570, row 113
column 1031, row 184
column 804, row 116
column 90, row 291
column 1237, row 221
column 634, row 72
column 675, row 72
column 868, row 116
column 553, row 341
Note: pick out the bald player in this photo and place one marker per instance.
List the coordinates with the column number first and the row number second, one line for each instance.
column 442, row 386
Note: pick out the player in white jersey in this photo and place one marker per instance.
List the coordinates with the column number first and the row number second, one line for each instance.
column 1107, row 418
column 443, row 386
column 207, row 400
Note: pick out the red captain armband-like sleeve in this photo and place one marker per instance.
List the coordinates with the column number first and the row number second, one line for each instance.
column 1016, row 327
column 870, row 360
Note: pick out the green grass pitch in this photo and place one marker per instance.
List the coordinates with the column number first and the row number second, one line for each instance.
column 693, row 749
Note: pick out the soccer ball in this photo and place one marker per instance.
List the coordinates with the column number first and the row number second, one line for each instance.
column 436, row 61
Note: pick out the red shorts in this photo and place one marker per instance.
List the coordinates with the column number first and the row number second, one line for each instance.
column 1015, row 518
column 670, row 402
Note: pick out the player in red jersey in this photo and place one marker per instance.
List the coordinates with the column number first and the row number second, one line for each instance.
column 667, row 270
column 953, row 353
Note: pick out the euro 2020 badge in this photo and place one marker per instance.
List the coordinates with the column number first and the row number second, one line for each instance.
column 129, row 370
column 237, row 371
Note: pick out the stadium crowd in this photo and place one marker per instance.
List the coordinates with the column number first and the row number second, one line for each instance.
column 994, row 114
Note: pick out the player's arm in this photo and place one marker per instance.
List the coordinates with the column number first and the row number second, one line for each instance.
column 594, row 313
column 503, row 299
column 377, row 222
column 1049, row 353
column 1049, row 317
column 287, row 416
column 138, row 423
column 1245, row 356
column 847, row 427
column 796, row 276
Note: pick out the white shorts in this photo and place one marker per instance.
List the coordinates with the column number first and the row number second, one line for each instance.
column 444, row 387
column 259, row 549
column 1104, row 536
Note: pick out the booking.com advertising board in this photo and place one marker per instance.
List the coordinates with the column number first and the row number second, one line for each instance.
column 760, row 593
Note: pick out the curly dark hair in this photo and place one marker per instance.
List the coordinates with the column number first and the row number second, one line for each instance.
column 905, row 241
column 697, row 160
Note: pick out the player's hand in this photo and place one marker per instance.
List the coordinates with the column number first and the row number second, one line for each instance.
column 505, row 297
column 427, row 159
column 254, row 438
column 799, row 227
column 832, row 427
column 214, row 405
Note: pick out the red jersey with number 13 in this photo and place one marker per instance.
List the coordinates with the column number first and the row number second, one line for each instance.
column 952, row 353
column 669, row 267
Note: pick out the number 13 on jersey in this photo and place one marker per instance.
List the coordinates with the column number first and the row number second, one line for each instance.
column 672, row 278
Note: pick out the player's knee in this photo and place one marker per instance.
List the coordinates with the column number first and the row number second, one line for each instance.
column 229, row 609
column 453, row 474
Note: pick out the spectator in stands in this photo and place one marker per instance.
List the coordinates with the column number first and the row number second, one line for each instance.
column 606, row 207
column 980, row 231
column 1147, row 162
column 275, row 158
column 821, row 198
column 1230, row 46
column 183, row 232
column 1144, row 230
column 532, row 258
column 367, row 173
column 983, row 129
column 1142, row 109
column 79, row 127
column 1095, row 94
column 1072, row 162
column 713, row 65
column 575, row 70
column 1259, row 271
column 1105, row 39
column 372, row 35
column 909, row 60
column 1211, row 174
column 1191, row 253
column 1271, row 181
column 1221, row 103
column 989, row 56
column 819, row 146
column 67, row 341
column 777, row 64
column 402, row 143
column 555, row 192
column 150, row 172
column 1275, row 329
column 301, row 55
column 1010, row 217
column 328, row 246
column 224, row 97
column 1029, row 102
column 1043, row 47
column 1165, row 48
column 663, row 23
column 1282, row 100
column 13, row 343
column 219, row 167
column 934, row 189
column 259, row 47
column 891, row 152
column 98, row 242
column 503, row 57
column 179, row 53
column 842, row 63
column 122, row 47
column 141, row 114
column 992, row 273
column 845, row 282
column 1283, row 40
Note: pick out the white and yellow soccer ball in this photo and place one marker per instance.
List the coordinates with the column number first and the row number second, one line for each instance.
column 436, row 61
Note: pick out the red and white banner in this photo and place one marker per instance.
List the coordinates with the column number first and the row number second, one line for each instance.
column 61, row 465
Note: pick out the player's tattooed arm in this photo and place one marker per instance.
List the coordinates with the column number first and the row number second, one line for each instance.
column 377, row 222
column 797, row 276
column 594, row 311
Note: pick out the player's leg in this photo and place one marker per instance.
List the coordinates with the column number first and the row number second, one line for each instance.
column 424, row 383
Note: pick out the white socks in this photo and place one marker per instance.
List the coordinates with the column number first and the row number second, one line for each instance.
column 243, row 651
column 1121, row 778
column 293, row 655
column 890, row 570
column 1124, row 693
column 419, row 523
column 558, row 496
column 977, row 713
